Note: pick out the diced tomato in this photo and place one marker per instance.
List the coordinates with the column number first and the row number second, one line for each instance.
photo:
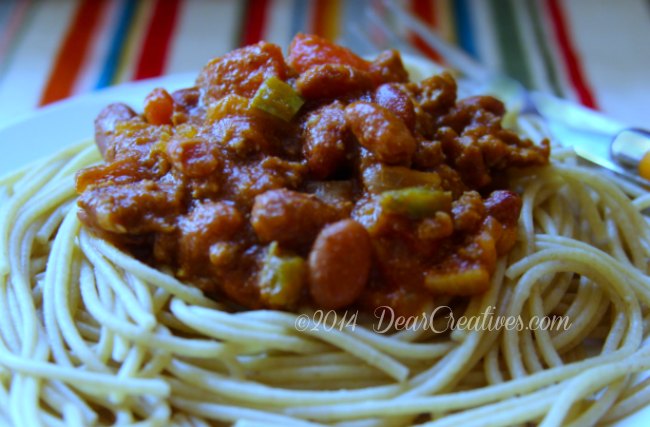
column 158, row 107
column 241, row 72
column 307, row 50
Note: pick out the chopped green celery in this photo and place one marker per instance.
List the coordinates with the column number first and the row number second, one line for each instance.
column 416, row 202
column 379, row 178
column 281, row 278
column 277, row 98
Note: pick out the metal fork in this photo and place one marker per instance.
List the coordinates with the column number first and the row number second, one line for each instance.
column 473, row 77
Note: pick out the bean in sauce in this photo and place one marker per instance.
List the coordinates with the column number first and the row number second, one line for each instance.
column 318, row 178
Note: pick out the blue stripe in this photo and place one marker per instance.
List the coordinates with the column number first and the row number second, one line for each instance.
column 354, row 13
column 464, row 31
column 6, row 10
column 299, row 18
column 119, row 37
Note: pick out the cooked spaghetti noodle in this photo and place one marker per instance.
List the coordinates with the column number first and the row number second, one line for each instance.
column 90, row 335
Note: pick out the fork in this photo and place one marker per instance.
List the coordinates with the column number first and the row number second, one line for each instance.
column 475, row 79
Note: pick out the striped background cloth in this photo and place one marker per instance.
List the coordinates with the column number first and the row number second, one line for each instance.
column 595, row 52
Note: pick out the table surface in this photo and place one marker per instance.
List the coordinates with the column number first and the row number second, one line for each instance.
column 596, row 53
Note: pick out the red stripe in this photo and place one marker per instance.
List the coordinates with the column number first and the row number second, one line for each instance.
column 254, row 21
column 318, row 18
column 13, row 25
column 155, row 49
column 73, row 51
column 424, row 10
column 570, row 57
column 426, row 48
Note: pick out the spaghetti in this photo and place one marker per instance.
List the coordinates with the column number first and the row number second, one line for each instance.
column 90, row 335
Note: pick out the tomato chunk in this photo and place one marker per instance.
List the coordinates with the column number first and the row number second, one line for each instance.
column 241, row 72
column 158, row 107
column 307, row 50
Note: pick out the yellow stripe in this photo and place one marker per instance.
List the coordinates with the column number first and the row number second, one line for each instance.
column 333, row 19
column 131, row 51
column 445, row 20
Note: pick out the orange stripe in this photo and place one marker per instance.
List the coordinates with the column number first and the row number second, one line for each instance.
column 73, row 51
column 445, row 20
column 326, row 15
column 333, row 19
column 318, row 13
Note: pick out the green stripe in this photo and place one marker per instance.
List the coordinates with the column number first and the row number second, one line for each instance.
column 242, row 11
column 510, row 42
column 128, row 49
column 535, row 17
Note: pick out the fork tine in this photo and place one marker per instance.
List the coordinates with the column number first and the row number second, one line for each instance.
column 386, row 28
column 373, row 34
column 454, row 56
column 358, row 39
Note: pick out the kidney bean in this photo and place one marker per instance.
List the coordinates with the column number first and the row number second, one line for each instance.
column 185, row 102
column 388, row 67
column 325, row 133
column 339, row 264
column 381, row 132
column 187, row 97
column 105, row 127
column 331, row 81
column 392, row 98
column 289, row 217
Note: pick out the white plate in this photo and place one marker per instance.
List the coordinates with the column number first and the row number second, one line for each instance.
column 56, row 126
column 52, row 128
